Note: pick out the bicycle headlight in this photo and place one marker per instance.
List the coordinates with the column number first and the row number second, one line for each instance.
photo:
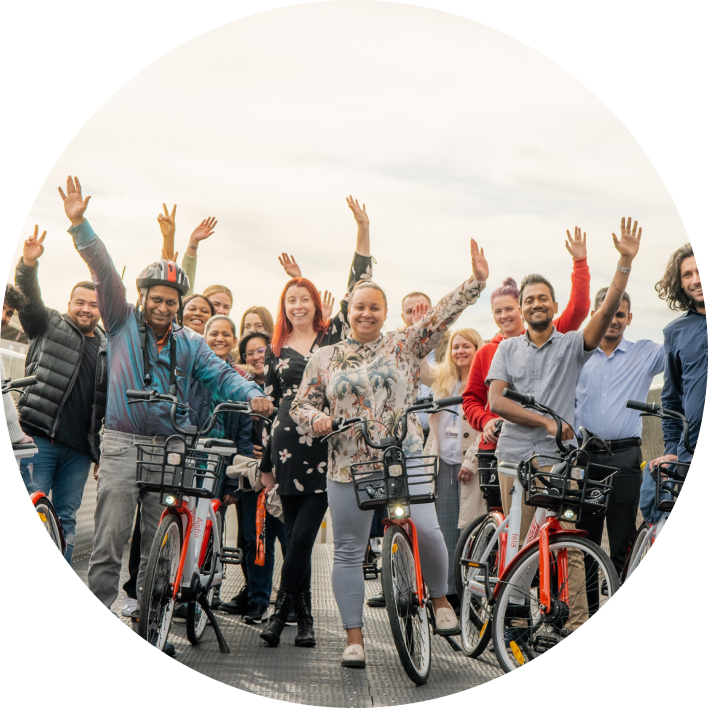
column 569, row 515
column 400, row 511
column 170, row 499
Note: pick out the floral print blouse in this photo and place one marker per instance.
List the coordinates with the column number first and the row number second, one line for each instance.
column 375, row 381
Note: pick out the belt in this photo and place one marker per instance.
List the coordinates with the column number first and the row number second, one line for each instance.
column 616, row 445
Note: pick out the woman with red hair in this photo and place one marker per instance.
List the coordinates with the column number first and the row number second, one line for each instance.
column 293, row 461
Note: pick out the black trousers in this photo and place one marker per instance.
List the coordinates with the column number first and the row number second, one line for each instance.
column 302, row 514
column 621, row 515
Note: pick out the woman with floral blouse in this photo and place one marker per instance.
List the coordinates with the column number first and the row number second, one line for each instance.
column 375, row 376
column 293, row 461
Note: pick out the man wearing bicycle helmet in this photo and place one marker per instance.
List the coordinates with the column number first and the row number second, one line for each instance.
column 148, row 349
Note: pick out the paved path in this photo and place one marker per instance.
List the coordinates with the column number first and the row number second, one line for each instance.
column 314, row 676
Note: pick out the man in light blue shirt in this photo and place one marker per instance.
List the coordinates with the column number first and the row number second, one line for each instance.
column 618, row 370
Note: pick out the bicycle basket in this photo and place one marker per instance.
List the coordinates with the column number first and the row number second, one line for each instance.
column 395, row 479
column 174, row 468
column 488, row 474
column 673, row 475
column 564, row 486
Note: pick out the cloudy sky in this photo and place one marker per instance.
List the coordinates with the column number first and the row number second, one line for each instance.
column 445, row 128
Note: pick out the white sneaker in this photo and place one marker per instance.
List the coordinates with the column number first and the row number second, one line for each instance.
column 354, row 657
column 375, row 544
column 130, row 606
column 446, row 622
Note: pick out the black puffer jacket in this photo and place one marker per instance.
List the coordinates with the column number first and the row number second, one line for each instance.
column 56, row 347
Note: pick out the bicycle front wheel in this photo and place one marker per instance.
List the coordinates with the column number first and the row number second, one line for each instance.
column 463, row 550
column 521, row 630
column 407, row 613
column 475, row 612
column 640, row 547
column 157, row 598
column 50, row 520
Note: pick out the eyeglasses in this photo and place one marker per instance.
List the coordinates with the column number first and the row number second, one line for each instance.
column 257, row 352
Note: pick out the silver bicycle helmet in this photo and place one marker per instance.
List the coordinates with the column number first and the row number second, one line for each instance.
column 163, row 273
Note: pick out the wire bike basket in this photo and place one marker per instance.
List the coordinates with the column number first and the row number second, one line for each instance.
column 395, row 479
column 573, row 489
column 173, row 468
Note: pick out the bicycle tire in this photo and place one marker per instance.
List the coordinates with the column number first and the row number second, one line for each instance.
column 521, row 632
column 48, row 516
column 642, row 532
column 462, row 550
column 409, row 621
column 156, row 600
column 475, row 612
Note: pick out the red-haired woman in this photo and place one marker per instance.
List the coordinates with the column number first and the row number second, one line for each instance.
column 298, row 460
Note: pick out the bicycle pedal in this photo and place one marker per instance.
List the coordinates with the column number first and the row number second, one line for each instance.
column 231, row 556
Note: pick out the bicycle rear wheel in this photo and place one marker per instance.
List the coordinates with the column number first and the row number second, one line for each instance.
column 521, row 630
column 50, row 520
column 475, row 612
column 407, row 613
column 156, row 600
column 640, row 547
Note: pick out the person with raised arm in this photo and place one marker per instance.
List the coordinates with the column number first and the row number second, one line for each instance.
column 64, row 409
column 148, row 349
column 375, row 376
column 507, row 316
column 546, row 364
column 292, row 459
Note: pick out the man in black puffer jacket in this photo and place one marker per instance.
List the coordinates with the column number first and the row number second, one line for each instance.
column 64, row 410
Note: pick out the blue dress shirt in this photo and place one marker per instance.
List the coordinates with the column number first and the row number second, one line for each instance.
column 606, row 383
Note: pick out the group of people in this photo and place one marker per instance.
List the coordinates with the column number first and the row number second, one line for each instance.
column 309, row 367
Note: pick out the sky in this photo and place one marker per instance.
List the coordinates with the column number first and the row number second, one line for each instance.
column 445, row 128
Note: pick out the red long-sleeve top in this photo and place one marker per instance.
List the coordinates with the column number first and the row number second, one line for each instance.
column 475, row 399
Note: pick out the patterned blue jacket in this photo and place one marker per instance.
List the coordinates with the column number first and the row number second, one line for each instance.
column 122, row 321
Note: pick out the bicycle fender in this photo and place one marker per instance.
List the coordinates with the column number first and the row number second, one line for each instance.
column 552, row 537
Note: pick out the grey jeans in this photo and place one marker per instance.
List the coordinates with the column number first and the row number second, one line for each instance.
column 350, row 529
column 115, row 512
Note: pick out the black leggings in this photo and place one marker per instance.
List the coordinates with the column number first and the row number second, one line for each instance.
column 302, row 514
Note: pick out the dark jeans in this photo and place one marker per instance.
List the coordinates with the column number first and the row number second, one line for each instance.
column 621, row 513
column 303, row 514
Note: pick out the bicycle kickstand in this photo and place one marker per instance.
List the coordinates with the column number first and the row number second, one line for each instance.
column 204, row 604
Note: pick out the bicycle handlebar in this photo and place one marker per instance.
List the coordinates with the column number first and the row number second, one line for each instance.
column 10, row 385
column 530, row 402
column 657, row 411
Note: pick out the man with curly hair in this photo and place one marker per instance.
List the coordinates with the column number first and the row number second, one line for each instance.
column 686, row 347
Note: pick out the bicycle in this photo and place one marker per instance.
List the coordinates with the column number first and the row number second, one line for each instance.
column 44, row 508
column 522, row 597
column 670, row 477
column 187, row 557
column 396, row 482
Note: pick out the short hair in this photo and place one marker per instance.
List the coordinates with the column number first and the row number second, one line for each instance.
column 602, row 294
column 14, row 297
column 216, row 318
column 214, row 289
column 415, row 293
column 251, row 335
column 264, row 315
column 532, row 280
column 86, row 284
column 508, row 287
column 371, row 284
column 669, row 287
column 203, row 297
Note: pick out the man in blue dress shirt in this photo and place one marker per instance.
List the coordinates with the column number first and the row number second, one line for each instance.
column 618, row 370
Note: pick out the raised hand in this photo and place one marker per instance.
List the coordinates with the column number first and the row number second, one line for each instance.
column 419, row 311
column 289, row 265
column 33, row 248
column 362, row 218
column 575, row 245
column 628, row 242
column 74, row 203
column 480, row 267
column 327, row 305
column 203, row 231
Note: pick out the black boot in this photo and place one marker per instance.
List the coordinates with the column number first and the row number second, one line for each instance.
column 305, row 626
column 276, row 623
